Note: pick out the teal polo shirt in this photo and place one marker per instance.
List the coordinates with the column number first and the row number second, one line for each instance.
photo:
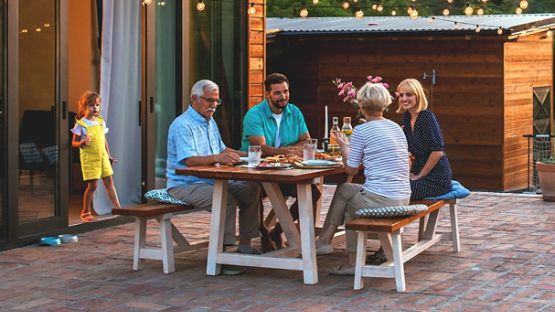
column 259, row 121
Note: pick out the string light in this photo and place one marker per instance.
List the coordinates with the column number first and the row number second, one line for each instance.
column 480, row 11
column 477, row 29
column 252, row 9
column 445, row 12
column 303, row 12
column 451, row 1
column 523, row 4
column 359, row 13
column 468, row 10
column 413, row 12
column 393, row 12
column 315, row 1
column 500, row 31
column 201, row 6
column 346, row 5
column 518, row 11
column 374, row 6
column 147, row 2
column 380, row 8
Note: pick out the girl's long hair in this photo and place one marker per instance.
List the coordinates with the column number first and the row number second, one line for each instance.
column 87, row 98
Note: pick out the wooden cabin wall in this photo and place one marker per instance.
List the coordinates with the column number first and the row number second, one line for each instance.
column 528, row 64
column 257, row 50
column 467, row 99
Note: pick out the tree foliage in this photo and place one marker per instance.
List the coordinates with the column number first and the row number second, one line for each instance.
column 291, row 8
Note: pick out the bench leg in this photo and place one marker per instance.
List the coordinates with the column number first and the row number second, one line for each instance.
column 385, row 240
column 360, row 259
column 422, row 227
column 217, row 225
column 140, row 236
column 454, row 227
column 166, row 243
column 398, row 262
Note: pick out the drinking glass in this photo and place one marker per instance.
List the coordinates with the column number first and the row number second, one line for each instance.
column 309, row 149
column 255, row 153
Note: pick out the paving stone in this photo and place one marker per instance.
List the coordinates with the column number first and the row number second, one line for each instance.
column 507, row 263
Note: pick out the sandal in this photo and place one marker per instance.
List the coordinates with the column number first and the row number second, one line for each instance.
column 87, row 217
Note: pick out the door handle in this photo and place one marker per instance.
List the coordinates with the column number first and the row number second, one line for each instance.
column 64, row 110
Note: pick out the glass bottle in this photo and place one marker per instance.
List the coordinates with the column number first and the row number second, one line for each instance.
column 334, row 128
column 347, row 129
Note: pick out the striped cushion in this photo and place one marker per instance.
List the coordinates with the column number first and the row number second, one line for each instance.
column 389, row 212
column 162, row 195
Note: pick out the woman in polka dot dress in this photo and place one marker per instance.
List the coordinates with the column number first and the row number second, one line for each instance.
column 430, row 172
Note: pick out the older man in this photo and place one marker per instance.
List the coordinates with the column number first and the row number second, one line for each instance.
column 276, row 125
column 194, row 139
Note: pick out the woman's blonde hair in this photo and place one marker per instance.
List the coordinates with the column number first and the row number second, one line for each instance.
column 373, row 98
column 414, row 86
column 86, row 99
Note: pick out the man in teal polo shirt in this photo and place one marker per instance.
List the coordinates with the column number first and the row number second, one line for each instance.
column 276, row 125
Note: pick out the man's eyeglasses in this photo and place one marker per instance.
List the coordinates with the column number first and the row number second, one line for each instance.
column 212, row 101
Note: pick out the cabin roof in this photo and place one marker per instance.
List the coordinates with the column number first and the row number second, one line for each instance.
column 511, row 24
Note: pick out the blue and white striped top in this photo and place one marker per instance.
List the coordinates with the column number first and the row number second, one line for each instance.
column 380, row 146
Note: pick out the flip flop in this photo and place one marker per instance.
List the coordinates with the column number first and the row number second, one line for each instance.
column 87, row 217
column 345, row 271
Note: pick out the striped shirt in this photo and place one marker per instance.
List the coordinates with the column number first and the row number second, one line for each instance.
column 190, row 135
column 381, row 147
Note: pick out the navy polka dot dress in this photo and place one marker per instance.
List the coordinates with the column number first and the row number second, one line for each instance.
column 422, row 141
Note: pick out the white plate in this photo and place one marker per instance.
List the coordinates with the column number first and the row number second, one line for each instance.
column 319, row 162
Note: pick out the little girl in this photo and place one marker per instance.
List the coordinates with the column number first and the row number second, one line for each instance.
column 89, row 137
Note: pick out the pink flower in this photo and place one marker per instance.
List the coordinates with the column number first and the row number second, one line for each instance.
column 351, row 93
column 340, row 85
column 369, row 78
column 386, row 85
column 377, row 79
column 342, row 92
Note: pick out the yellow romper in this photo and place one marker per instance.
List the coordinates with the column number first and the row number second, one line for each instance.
column 95, row 162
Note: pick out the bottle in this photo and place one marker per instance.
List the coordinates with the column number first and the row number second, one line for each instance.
column 334, row 128
column 347, row 129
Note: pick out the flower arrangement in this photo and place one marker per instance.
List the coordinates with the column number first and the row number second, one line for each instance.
column 349, row 91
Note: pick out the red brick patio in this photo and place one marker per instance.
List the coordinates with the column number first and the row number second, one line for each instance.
column 507, row 264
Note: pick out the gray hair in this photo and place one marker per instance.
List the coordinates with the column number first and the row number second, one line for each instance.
column 200, row 86
column 373, row 98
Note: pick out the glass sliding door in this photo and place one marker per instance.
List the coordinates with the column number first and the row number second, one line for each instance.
column 43, row 139
column 3, row 144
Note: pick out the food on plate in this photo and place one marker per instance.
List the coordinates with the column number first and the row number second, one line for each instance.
column 326, row 156
column 283, row 159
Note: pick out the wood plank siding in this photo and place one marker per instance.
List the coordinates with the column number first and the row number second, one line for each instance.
column 528, row 63
column 482, row 99
column 257, row 51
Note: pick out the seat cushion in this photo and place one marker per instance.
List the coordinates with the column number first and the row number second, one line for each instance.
column 457, row 191
column 162, row 196
column 391, row 212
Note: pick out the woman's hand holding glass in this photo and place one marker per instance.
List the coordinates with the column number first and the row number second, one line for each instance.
column 340, row 138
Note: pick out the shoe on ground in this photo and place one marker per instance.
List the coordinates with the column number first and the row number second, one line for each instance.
column 377, row 258
column 231, row 270
column 247, row 249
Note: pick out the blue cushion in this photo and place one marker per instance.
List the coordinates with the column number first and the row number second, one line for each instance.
column 162, row 195
column 457, row 191
column 390, row 212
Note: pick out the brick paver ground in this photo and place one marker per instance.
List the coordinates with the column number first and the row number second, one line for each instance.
column 506, row 264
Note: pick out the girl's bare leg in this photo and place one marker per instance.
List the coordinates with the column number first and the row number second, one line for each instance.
column 109, row 184
column 87, row 197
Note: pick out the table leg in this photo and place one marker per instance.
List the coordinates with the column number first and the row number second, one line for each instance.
column 217, row 225
column 282, row 212
column 308, row 243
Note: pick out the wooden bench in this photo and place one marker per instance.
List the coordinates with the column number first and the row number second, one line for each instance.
column 389, row 232
column 168, row 233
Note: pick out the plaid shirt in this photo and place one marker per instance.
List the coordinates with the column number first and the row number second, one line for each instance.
column 190, row 135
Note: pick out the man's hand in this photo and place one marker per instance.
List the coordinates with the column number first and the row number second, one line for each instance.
column 227, row 158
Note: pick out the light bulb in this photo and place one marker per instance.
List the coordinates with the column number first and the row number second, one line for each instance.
column 480, row 11
column 500, row 31
column 414, row 14
column 359, row 13
column 201, row 6
column 393, row 12
column 518, row 11
column 304, row 12
column 252, row 9
column 477, row 29
column 449, row 1
column 409, row 10
column 380, row 8
column 523, row 4
column 374, row 6
column 346, row 5
column 445, row 12
column 468, row 10
column 146, row 2
column 315, row 1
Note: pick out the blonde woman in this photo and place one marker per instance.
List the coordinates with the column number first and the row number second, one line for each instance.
column 380, row 145
column 430, row 172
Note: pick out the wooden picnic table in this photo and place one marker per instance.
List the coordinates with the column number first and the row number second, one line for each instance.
column 270, row 179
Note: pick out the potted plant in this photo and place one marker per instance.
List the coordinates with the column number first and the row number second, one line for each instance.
column 546, row 172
